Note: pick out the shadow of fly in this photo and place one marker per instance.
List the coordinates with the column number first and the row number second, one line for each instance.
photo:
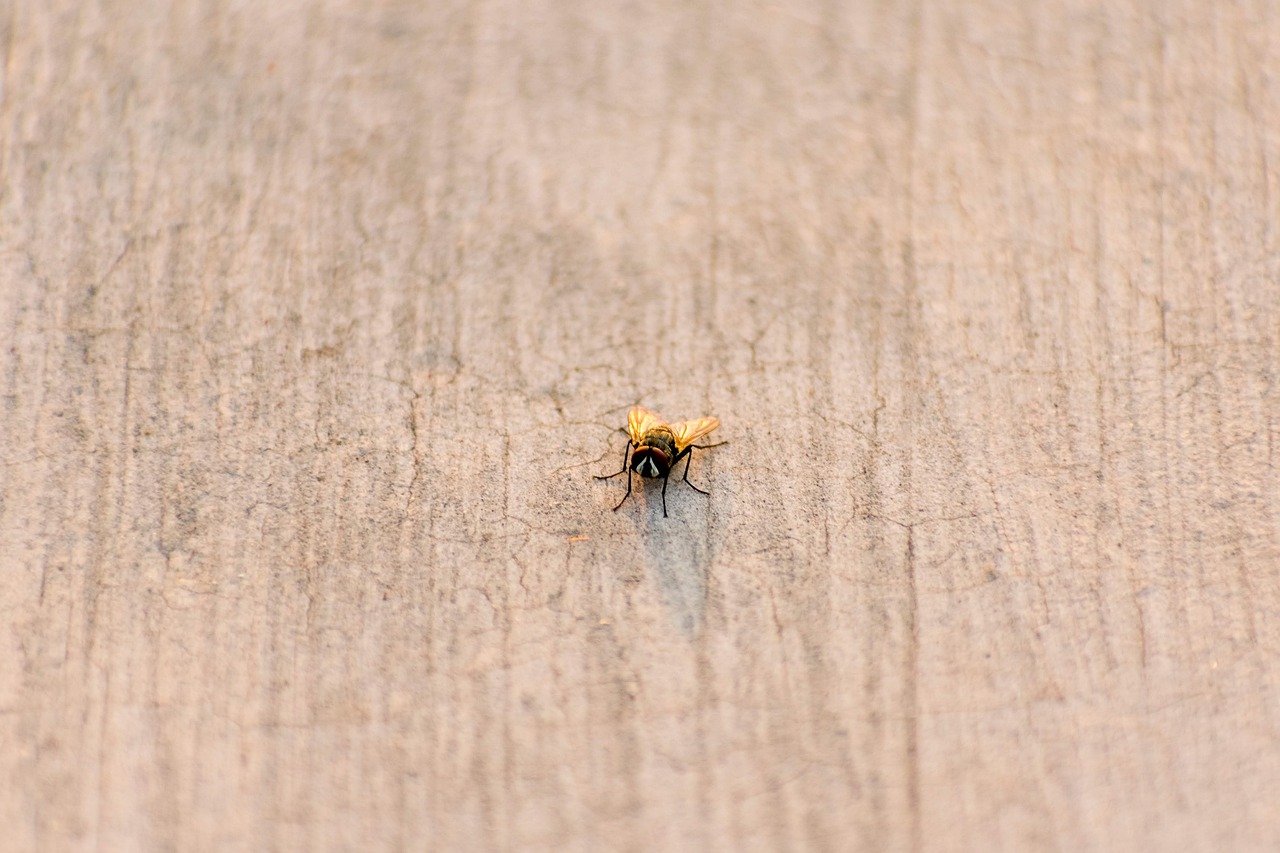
column 656, row 446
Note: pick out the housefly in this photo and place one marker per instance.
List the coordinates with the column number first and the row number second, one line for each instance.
column 656, row 446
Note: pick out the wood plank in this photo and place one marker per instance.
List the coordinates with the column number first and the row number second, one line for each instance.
column 318, row 320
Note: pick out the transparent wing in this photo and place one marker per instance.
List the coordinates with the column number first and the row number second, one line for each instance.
column 690, row 431
column 640, row 421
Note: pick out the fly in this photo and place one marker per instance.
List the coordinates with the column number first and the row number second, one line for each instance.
column 656, row 446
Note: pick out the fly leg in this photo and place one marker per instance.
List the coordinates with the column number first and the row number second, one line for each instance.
column 626, row 453
column 686, row 470
column 686, row 452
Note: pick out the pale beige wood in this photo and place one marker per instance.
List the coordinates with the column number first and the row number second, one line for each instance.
column 317, row 320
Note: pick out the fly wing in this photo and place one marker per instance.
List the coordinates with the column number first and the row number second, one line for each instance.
column 690, row 431
column 640, row 421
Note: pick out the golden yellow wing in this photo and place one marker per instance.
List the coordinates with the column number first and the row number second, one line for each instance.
column 640, row 421
column 690, row 431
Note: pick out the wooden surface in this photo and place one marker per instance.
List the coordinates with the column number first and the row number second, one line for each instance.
column 317, row 320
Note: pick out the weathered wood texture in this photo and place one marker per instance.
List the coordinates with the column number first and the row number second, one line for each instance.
column 318, row 319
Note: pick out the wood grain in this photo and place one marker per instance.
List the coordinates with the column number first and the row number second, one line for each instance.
column 318, row 319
